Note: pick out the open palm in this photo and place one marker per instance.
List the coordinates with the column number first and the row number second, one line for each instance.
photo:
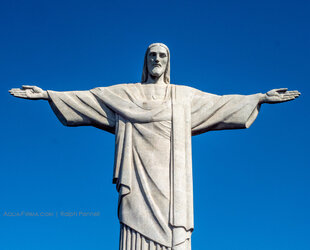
column 281, row 95
column 29, row 92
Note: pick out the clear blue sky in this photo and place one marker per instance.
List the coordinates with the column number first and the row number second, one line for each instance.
column 251, row 187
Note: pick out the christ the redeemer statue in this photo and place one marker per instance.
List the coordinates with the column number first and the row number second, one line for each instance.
column 153, row 122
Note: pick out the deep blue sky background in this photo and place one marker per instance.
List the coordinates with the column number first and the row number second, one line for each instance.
column 251, row 187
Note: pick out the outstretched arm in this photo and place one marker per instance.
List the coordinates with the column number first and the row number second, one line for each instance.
column 212, row 112
column 279, row 95
column 29, row 92
column 73, row 108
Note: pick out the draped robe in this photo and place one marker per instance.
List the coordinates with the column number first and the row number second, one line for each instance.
column 153, row 167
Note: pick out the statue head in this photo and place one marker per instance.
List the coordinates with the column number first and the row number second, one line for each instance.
column 156, row 62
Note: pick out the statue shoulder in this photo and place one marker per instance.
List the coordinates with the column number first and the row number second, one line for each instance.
column 186, row 89
column 195, row 94
column 116, row 86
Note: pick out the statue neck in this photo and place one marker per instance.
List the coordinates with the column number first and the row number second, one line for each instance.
column 155, row 80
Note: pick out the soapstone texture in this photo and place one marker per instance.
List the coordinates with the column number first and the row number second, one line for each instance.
column 153, row 122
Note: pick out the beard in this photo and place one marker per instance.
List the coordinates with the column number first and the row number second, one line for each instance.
column 156, row 72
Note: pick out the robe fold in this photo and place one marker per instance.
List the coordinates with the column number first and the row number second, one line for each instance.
column 153, row 166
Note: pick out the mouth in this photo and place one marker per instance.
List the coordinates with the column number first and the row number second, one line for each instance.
column 156, row 65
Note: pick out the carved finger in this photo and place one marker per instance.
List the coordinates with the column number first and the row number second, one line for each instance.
column 292, row 92
column 22, row 95
column 291, row 95
column 281, row 90
column 288, row 99
column 13, row 90
column 19, row 92
column 16, row 92
column 28, row 87
column 295, row 92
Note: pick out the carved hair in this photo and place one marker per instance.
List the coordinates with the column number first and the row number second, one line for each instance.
column 167, row 70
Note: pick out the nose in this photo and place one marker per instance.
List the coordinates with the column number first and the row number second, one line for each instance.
column 157, row 58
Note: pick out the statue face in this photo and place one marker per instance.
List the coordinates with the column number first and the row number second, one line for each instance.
column 157, row 60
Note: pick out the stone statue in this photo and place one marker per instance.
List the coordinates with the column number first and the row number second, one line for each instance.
column 153, row 122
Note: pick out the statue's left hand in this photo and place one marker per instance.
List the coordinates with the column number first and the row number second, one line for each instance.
column 280, row 95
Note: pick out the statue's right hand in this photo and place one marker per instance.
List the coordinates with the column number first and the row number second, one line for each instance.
column 29, row 92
